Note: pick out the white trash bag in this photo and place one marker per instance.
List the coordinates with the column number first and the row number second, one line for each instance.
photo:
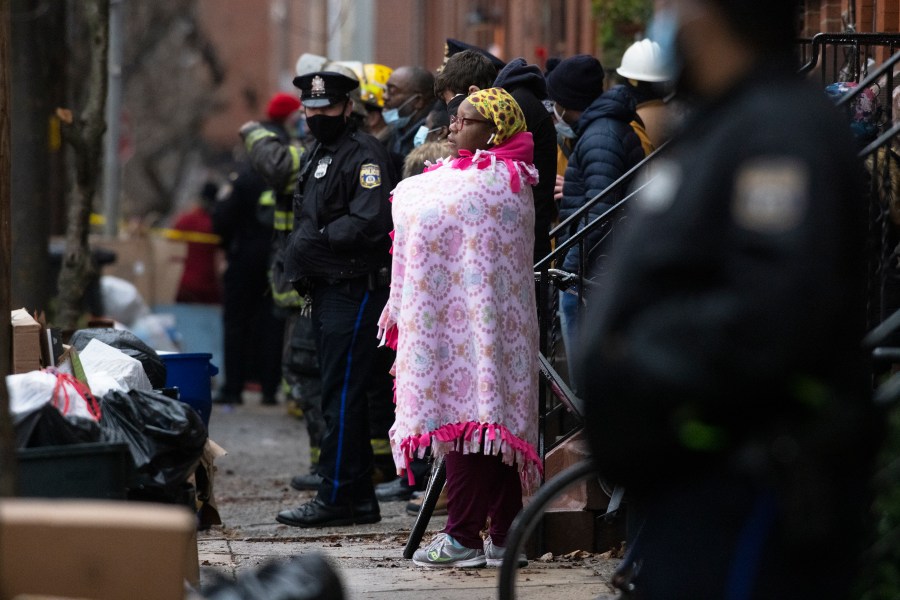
column 30, row 391
column 104, row 365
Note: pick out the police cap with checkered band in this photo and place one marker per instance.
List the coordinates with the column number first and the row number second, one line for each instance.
column 324, row 88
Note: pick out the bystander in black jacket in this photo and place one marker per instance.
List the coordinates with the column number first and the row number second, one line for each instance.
column 527, row 85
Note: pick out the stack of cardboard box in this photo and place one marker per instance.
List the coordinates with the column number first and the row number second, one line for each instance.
column 26, row 340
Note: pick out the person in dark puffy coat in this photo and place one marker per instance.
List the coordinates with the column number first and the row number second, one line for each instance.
column 606, row 147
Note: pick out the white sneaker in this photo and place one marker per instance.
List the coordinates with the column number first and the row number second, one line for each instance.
column 444, row 551
column 494, row 555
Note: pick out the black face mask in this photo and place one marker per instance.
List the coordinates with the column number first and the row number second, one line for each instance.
column 326, row 128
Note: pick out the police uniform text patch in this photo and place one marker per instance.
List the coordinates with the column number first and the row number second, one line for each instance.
column 771, row 195
column 370, row 176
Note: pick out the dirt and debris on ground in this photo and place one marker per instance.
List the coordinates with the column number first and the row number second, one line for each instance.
column 266, row 447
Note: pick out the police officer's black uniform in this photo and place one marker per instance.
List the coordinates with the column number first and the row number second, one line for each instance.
column 338, row 253
column 724, row 378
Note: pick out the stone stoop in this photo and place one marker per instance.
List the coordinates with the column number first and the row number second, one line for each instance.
column 575, row 520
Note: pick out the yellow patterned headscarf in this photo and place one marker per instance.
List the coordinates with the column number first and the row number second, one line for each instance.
column 496, row 105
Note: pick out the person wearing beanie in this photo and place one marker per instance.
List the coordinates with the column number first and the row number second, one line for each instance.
column 281, row 106
column 724, row 380
column 604, row 147
column 551, row 64
column 576, row 82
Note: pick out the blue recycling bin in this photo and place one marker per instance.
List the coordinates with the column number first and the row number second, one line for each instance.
column 191, row 373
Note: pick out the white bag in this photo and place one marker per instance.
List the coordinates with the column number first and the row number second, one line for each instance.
column 31, row 390
column 98, row 359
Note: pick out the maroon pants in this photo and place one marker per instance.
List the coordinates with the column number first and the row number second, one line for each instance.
column 480, row 486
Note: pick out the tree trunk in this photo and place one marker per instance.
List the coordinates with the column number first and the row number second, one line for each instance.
column 86, row 137
column 7, row 446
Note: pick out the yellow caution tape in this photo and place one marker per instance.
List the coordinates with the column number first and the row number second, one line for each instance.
column 197, row 237
column 178, row 235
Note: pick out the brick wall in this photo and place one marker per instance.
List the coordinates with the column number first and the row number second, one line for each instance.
column 881, row 16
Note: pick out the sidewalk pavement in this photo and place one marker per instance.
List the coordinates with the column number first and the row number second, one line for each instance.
column 266, row 448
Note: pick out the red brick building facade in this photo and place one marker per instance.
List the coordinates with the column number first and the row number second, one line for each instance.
column 881, row 16
column 259, row 40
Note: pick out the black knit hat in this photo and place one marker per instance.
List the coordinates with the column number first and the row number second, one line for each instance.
column 576, row 82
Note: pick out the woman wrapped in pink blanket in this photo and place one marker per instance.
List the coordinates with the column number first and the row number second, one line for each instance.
column 462, row 317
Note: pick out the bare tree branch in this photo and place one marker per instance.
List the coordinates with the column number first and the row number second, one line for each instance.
column 85, row 135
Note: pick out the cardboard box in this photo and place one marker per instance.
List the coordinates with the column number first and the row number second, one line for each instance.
column 153, row 264
column 104, row 550
column 26, row 342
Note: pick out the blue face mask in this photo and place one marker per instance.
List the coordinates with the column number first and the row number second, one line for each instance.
column 562, row 128
column 565, row 130
column 422, row 135
column 392, row 115
column 663, row 30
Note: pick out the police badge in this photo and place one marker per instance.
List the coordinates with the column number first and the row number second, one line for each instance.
column 317, row 87
column 370, row 176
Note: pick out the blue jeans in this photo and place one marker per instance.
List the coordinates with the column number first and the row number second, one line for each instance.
column 569, row 313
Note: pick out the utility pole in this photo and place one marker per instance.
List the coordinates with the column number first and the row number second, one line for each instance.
column 7, row 445
column 112, row 170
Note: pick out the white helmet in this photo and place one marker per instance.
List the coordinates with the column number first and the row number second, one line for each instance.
column 309, row 63
column 347, row 69
column 643, row 61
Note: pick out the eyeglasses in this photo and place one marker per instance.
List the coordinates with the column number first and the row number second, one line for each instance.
column 461, row 121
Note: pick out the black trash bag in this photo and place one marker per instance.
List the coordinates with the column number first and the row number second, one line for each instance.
column 46, row 426
column 129, row 344
column 165, row 437
column 306, row 577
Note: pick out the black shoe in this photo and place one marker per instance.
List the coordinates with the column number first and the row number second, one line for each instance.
column 397, row 489
column 308, row 482
column 316, row 513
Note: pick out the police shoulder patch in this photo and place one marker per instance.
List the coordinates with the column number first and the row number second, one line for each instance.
column 771, row 194
column 370, row 176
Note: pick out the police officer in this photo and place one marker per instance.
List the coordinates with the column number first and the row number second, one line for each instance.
column 724, row 380
column 338, row 254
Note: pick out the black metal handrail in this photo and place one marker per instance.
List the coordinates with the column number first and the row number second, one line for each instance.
column 548, row 281
column 857, row 45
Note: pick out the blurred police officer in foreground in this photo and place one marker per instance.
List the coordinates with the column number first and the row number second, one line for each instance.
column 725, row 383
column 338, row 254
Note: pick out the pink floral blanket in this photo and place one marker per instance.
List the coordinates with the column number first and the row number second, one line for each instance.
column 462, row 312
